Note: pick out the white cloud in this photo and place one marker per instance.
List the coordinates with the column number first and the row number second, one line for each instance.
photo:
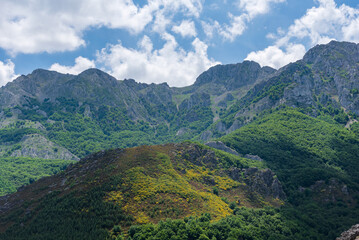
column 210, row 28
column 7, row 72
column 52, row 26
column 251, row 9
column 170, row 64
column 326, row 22
column 81, row 64
column 257, row 7
column 351, row 31
column 185, row 29
column 319, row 25
column 237, row 27
column 275, row 57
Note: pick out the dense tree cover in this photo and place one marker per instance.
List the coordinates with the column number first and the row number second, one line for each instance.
column 78, row 215
column 304, row 151
column 19, row 171
column 254, row 224
column 15, row 134
column 300, row 149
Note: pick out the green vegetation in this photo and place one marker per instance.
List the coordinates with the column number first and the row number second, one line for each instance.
column 79, row 215
column 16, row 172
column 300, row 149
column 246, row 223
column 310, row 157
column 150, row 184
column 68, row 125
column 132, row 186
column 134, row 191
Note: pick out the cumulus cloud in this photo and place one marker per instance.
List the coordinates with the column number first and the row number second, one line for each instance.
column 81, row 64
column 257, row 7
column 236, row 28
column 185, row 29
column 170, row 64
column 52, row 26
column 319, row 25
column 7, row 72
column 326, row 22
column 251, row 9
column 275, row 57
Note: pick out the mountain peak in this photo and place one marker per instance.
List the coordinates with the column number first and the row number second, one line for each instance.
column 94, row 71
column 334, row 50
column 233, row 76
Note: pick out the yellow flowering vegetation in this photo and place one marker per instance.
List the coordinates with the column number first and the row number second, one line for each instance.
column 224, row 183
column 159, row 183
column 159, row 192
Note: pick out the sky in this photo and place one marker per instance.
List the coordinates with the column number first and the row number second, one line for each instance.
column 173, row 41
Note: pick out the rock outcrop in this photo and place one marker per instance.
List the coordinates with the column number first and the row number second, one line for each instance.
column 221, row 146
column 37, row 146
column 351, row 234
column 264, row 182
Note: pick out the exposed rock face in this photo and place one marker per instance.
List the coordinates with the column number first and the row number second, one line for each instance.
column 92, row 86
column 334, row 72
column 200, row 156
column 253, row 157
column 262, row 181
column 206, row 135
column 351, row 234
column 197, row 99
column 330, row 191
column 221, row 146
column 38, row 146
column 233, row 76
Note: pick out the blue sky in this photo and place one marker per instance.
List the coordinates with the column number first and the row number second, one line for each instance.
column 165, row 40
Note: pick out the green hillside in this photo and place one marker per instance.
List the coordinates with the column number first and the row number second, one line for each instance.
column 135, row 186
column 317, row 163
column 16, row 172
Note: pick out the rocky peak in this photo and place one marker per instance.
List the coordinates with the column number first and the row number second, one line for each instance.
column 95, row 75
column 332, row 51
column 234, row 76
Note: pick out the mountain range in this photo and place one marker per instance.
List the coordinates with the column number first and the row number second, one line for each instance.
column 265, row 146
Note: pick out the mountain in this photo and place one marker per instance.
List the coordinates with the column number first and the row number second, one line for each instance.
column 325, row 81
column 94, row 111
column 288, row 171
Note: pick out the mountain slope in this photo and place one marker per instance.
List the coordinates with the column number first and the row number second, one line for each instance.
column 138, row 185
column 325, row 81
column 79, row 115
column 317, row 163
